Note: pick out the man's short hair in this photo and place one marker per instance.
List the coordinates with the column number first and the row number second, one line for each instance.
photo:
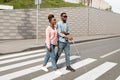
column 62, row 13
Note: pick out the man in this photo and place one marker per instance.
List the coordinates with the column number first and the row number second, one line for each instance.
column 63, row 43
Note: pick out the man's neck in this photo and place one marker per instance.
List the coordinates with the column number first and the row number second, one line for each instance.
column 64, row 21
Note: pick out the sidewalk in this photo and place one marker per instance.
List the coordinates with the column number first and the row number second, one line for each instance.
column 13, row 46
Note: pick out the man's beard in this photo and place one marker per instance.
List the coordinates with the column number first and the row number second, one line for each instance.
column 64, row 21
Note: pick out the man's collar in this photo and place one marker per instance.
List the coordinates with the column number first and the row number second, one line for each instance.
column 63, row 22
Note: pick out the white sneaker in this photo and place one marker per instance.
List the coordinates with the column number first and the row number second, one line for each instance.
column 44, row 68
column 57, row 72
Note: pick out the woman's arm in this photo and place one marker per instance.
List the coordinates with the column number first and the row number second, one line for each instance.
column 48, row 38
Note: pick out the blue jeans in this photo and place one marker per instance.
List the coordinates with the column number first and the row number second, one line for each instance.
column 66, row 47
column 50, row 54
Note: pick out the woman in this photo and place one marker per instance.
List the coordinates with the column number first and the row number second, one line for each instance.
column 51, row 40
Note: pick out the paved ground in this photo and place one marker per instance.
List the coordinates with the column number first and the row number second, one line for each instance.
column 12, row 46
column 100, row 60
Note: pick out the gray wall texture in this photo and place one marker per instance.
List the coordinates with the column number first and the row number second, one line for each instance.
column 21, row 24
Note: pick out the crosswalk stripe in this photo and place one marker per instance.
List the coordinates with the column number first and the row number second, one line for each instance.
column 118, row 78
column 51, row 75
column 21, row 58
column 21, row 64
column 20, row 54
column 30, row 70
column 113, row 52
column 97, row 72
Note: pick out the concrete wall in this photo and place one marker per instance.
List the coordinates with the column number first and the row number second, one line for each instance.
column 103, row 22
column 73, row 1
column 100, row 4
column 21, row 24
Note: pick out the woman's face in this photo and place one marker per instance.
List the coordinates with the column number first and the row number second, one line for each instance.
column 53, row 21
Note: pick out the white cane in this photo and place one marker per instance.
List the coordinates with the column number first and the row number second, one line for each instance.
column 76, row 48
column 85, row 69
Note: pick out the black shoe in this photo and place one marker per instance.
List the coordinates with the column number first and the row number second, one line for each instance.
column 57, row 67
column 70, row 69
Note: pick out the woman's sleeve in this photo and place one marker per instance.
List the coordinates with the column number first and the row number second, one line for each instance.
column 48, row 37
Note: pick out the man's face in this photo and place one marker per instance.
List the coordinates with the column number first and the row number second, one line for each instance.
column 64, row 17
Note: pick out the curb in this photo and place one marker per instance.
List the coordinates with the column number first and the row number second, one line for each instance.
column 42, row 47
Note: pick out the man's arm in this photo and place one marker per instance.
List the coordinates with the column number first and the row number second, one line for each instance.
column 63, row 33
column 68, row 33
column 60, row 30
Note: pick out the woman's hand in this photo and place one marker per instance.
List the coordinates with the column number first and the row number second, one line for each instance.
column 49, row 49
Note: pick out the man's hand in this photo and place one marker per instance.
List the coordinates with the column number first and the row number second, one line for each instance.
column 63, row 32
column 69, row 37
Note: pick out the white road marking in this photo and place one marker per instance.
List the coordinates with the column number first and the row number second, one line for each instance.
column 51, row 75
column 20, row 54
column 97, row 72
column 118, row 78
column 110, row 53
column 30, row 70
column 21, row 58
column 21, row 64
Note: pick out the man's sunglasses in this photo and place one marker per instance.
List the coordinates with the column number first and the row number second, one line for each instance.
column 65, row 16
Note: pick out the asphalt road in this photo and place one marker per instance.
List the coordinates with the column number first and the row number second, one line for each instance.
column 99, row 60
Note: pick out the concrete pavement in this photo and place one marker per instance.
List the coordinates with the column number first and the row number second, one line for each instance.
column 91, row 65
column 13, row 46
